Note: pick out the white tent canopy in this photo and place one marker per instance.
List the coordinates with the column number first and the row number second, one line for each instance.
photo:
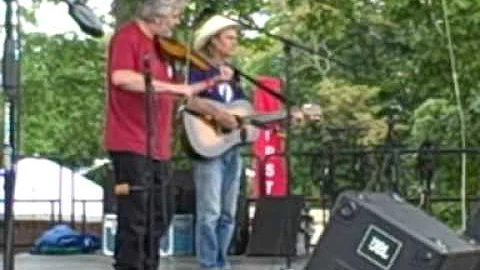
column 40, row 180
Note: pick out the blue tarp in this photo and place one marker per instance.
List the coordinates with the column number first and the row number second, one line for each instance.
column 61, row 239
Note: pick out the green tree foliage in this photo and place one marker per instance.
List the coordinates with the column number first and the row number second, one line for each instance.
column 397, row 46
column 124, row 10
column 400, row 48
column 62, row 97
column 372, row 58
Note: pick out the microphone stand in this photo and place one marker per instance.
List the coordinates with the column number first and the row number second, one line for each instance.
column 149, row 170
column 287, row 48
column 290, row 43
column 11, row 81
column 288, row 62
column 286, row 99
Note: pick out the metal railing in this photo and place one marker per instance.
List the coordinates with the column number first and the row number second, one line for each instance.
column 321, row 174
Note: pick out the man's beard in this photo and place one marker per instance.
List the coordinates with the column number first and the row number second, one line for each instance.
column 165, row 32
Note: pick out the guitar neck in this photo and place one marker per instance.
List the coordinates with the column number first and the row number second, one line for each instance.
column 264, row 118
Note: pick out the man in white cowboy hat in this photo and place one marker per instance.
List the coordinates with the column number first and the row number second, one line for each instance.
column 125, row 128
column 217, row 180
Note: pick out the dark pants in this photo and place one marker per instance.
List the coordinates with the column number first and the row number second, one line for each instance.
column 132, row 237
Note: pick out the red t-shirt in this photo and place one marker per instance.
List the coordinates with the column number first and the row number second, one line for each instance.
column 125, row 127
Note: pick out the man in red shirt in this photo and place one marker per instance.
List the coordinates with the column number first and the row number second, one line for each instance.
column 130, row 53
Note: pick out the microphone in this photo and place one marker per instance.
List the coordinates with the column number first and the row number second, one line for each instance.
column 85, row 18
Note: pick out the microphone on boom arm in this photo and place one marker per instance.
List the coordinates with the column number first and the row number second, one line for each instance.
column 85, row 17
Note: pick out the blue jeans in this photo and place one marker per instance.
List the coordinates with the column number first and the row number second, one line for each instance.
column 217, row 183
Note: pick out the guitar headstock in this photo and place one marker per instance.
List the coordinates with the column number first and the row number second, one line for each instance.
column 306, row 113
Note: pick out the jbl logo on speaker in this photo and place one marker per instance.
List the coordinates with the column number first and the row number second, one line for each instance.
column 379, row 247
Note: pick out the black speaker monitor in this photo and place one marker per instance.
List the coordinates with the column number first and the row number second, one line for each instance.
column 275, row 226
column 379, row 231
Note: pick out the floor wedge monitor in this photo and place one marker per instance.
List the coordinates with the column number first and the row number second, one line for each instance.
column 381, row 231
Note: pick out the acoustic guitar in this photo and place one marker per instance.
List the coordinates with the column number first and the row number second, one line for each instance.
column 207, row 139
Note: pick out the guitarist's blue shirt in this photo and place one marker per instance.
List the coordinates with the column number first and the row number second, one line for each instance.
column 224, row 92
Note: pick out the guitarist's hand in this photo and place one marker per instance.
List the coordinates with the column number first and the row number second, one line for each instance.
column 226, row 120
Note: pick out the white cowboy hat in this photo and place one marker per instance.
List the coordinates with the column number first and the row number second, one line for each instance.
column 210, row 28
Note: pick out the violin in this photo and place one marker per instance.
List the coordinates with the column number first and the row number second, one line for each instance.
column 175, row 50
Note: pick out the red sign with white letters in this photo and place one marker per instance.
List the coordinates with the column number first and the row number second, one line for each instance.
column 269, row 163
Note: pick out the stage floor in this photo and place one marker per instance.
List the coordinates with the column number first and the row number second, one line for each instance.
column 26, row 261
